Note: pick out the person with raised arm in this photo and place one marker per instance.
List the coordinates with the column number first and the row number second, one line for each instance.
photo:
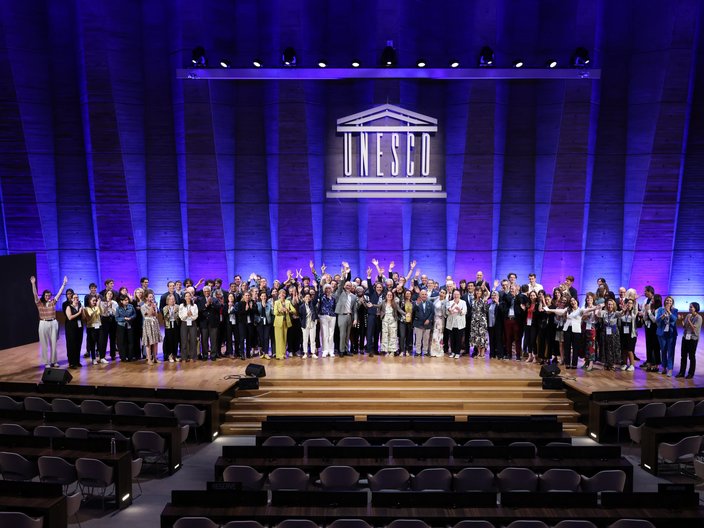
column 48, row 326
column 572, row 329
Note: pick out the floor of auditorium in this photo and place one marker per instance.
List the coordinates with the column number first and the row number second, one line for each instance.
column 23, row 364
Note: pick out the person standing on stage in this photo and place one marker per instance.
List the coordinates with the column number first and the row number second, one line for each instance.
column 478, row 324
column 125, row 317
column 652, row 346
column 423, row 318
column 309, row 323
column 91, row 316
column 48, row 326
column 74, row 332
column 326, row 312
column 172, row 329
column 151, row 336
column 390, row 312
column 456, row 322
column 108, row 326
column 612, row 340
column 692, row 324
column 282, row 322
column 437, row 348
column 667, row 333
column 188, row 313
column 208, row 321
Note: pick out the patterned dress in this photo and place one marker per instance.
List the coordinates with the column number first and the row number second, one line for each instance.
column 478, row 335
column 436, row 343
column 150, row 327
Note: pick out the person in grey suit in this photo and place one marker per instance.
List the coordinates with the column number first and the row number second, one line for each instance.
column 346, row 309
column 423, row 316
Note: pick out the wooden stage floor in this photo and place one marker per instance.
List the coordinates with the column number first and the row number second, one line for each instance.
column 22, row 364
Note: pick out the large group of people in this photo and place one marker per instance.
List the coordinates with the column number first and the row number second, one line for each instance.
column 388, row 314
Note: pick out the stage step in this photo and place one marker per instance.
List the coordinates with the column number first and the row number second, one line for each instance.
column 364, row 397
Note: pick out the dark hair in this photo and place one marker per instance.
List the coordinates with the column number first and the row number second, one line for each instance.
column 695, row 305
column 570, row 278
column 107, row 281
column 92, row 285
column 509, row 275
column 143, row 279
column 306, row 278
column 650, row 289
column 122, row 298
column 524, row 288
column 531, row 275
column 69, row 290
column 657, row 301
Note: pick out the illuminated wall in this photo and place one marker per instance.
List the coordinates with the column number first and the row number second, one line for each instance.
column 111, row 167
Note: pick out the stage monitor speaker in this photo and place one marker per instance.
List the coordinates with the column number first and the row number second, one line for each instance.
column 255, row 370
column 248, row 383
column 553, row 383
column 549, row 371
column 57, row 376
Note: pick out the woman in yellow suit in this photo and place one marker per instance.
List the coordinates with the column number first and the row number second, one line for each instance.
column 282, row 321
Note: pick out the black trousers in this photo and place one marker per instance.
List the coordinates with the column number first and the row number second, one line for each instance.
column 688, row 350
column 126, row 344
column 496, row 345
column 574, row 346
column 652, row 345
column 108, row 330
column 373, row 327
column 171, row 338
column 245, row 333
column 456, row 340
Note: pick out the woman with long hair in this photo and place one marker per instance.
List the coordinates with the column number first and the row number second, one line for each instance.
column 188, row 313
column 649, row 313
column 666, row 317
column 74, row 332
column 436, row 343
column 572, row 330
column 172, row 329
column 151, row 336
column 479, row 323
column 390, row 312
column 629, row 334
column 611, row 337
column 532, row 325
column 48, row 326
column 589, row 329
column 692, row 325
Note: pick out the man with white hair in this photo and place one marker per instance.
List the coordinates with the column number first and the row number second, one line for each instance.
column 208, row 322
column 346, row 309
column 423, row 318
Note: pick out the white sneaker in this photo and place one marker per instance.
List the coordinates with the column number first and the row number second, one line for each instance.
column 305, row 356
column 48, row 365
column 95, row 362
column 103, row 361
column 171, row 359
column 624, row 367
column 631, row 368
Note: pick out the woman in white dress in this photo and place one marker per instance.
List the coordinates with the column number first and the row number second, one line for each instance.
column 389, row 312
column 436, row 343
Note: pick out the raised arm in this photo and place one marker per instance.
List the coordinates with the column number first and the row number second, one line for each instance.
column 410, row 271
column 61, row 290
column 33, row 280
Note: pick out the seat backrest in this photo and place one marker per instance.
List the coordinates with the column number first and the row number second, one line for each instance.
column 191, row 413
column 56, row 469
column 473, row 524
column 20, row 520
column 623, row 414
column 407, row 523
column 390, row 479
column 699, row 409
column 339, row 478
column 148, row 441
column 9, row 404
column 652, row 410
column 15, row 467
column 527, row 524
column 95, row 407
column 243, row 524
column 249, row 477
column 479, row 442
column 317, row 442
column 349, row 523
column 681, row 408
column 607, row 480
column 73, row 503
column 525, row 444
column 353, row 441
column 279, row 441
column 517, row 479
column 288, row 478
column 127, row 408
column 158, row 410
column 400, row 442
column 559, row 479
column 13, row 429
column 48, row 431
column 94, row 472
column 574, row 523
column 632, row 523
column 35, row 403
column 65, row 405
column 195, row 522
column 432, row 479
column 77, row 432
column 475, row 479
column 440, row 441
column 296, row 523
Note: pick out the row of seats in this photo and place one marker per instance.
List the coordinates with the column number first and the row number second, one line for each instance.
column 204, row 522
column 51, row 431
column 341, row 478
column 633, row 417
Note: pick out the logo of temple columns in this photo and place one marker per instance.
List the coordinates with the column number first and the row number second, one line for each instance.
column 387, row 154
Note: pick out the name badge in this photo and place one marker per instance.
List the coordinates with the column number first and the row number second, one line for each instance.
column 232, row 319
column 172, row 320
column 80, row 324
column 96, row 325
column 189, row 323
column 608, row 330
column 588, row 326
column 529, row 321
column 688, row 337
column 511, row 312
column 667, row 327
column 626, row 329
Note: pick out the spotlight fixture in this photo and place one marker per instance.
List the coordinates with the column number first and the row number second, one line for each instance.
column 388, row 56
column 486, row 57
column 356, row 63
column 322, row 64
column 518, row 64
column 580, row 58
column 552, row 63
column 420, row 63
column 288, row 57
column 225, row 63
column 454, row 64
column 257, row 63
column 198, row 57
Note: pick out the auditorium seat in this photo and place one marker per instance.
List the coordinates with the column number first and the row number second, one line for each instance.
column 353, row 441
column 73, row 504
column 317, row 442
column 191, row 416
column 432, row 479
column 622, row 417
column 65, row 405
column 158, row 410
column 127, row 408
column 389, row 479
column 150, row 447
column 36, row 404
column 698, row 409
column 350, row 523
column 117, row 435
column 651, row 410
column 16, row 467
column 92, row 474
column 8, row 404
column 680, row 408
column 400, row 442
column 339, row 478
column 439, row 441
column 574, row 523
column 473, row 523
column 77, row 432
column 243, row 524
column 527, row 524
column 682, row 452
column 248, row 477
column 48, row 431
column 279, row 441
column 559, row 480
column 525, row 444
column 95, row 407
column 288, row 479
column 632, row 523
column 195, row 522
column 475, row 479
column 479, row 442
column 20, row 520
column 136, row 467
column 517, row 479
column 407, row 523
column 56, row 470
column 297, row 523
column 13, row 429
column 607, row 480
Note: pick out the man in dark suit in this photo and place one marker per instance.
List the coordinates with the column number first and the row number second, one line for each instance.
column 371, row 301
column 171, row 290
column 208, row 323
column 513, row 307
column 423, row 318
column 245, row 311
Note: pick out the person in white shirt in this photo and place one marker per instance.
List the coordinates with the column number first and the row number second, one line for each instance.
column 572, row 330
column 188, row 313
column 456, row 322
column 533, row 285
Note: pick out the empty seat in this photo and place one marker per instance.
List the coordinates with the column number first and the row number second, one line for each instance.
column 698, row 409
column 652, row 410
column 350, row 523
column 400, row 442
column 56, row 470
column 559, row 479
column 158, row 410
column 191, row 416
column 432, row 479
column 475, row 479
column 77, row 432
column 149, row 446
column 13, row 429
column 48, row 431
column 20, row 520
column 317, row 442
column 127, row 408
column 243, row 524
column 527, row 524
column 525, row 444
column 247, row 476
column 574, row 523
column 296, row 523
column 73, row 504
column 280, row 441
column 95, row 407
column 389, row 479
column 288, row 479
column 339, row 478
column 479, row 442
column 8, row 404
column 517, row 479
column 136, row 466
column 407, row 523
column 606, row 480
column 473, row 524
column 16, row 467
column 680, row 408
column 36, row 404
column 94, row 475
column 353, row 441
column 682, row 452
column 632, row 523
column 117, row 435
column 195, row 522
column 65, row 405
column 622, row 417
column 440, row 441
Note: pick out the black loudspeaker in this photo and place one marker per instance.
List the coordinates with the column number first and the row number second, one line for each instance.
column 255, row 370
column 552, row 383
column 249, row 383
column 549, row 371
column 57, row 376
